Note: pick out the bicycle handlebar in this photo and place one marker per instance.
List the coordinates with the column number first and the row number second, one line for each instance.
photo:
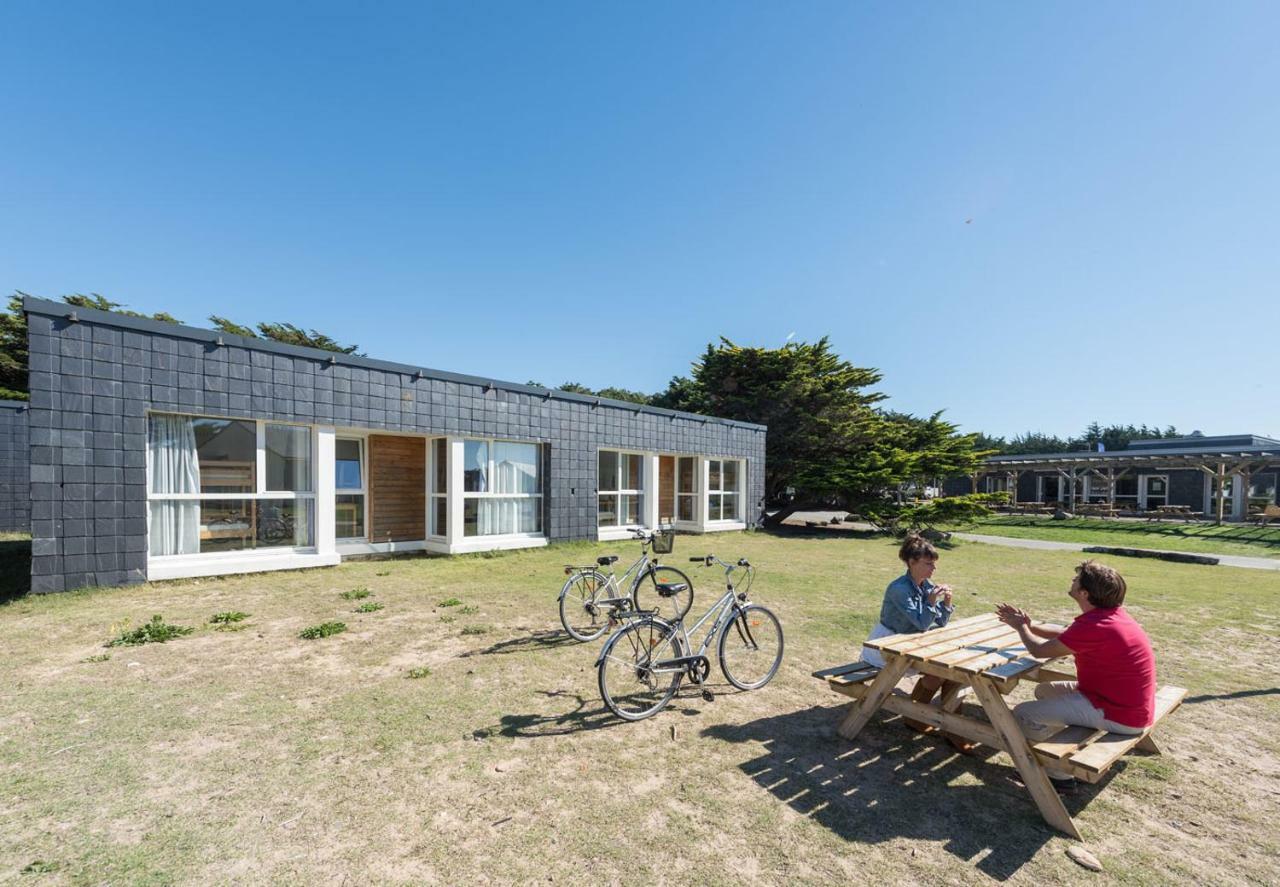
column 709, row 559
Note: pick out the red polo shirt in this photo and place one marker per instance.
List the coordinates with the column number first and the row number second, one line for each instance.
column 1114, row 664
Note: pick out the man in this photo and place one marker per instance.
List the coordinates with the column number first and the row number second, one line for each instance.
column 1115, row 667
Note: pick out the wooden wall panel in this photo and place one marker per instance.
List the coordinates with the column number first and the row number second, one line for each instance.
column 397, row 488
column 666, row 487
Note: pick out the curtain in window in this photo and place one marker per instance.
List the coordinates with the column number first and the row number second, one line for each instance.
column 174, row 467
column 498, row 517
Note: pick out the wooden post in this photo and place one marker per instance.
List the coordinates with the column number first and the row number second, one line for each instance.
column 1015, row 743
column 860, row 712
column 1222, row 488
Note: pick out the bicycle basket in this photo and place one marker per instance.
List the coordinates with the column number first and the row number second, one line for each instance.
column 663, row 542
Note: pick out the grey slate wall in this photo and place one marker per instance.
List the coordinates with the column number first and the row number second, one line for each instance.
column 15, row 468
column 94, row 378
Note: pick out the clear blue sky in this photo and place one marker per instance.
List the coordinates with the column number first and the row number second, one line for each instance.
column 1032, row 215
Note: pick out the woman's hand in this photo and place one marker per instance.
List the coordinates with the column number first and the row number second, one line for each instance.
column 940, row 593
column 1012, row 616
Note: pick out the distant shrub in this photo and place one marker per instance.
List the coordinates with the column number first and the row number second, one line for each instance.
column 370, row 607
column 228, row 617
column 356, row 594
column 469, row 610
column 450, row 602
column 420, row 672
column 323, row 630
column 475, row 629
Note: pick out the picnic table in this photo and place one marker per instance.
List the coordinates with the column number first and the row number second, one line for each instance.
column 985, row 656
column 1174, row 511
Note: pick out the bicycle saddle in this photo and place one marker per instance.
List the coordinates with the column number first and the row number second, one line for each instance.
column 671, row 589
column 607, row 560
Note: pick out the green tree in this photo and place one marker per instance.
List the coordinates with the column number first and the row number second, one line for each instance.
column 285, row 333
column 13, row 351
column 14, row 360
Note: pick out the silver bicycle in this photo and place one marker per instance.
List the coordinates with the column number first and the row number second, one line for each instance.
column 643, row 662
column 592, row 601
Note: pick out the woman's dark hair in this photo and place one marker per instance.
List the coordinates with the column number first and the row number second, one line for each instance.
column 1103, row 585
column 916, row 546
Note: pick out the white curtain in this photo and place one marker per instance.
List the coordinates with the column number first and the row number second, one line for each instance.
column 497, row 517
column 174, row 467
column 516, row 467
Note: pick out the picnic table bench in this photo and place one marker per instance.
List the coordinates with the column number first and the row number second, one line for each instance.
column 985, row 656
column 1174, row 511
column 1268, row 514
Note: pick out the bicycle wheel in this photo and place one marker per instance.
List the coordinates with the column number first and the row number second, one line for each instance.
column 644, row 593
column 750, row 647
column 629, row 686
column 580, row 611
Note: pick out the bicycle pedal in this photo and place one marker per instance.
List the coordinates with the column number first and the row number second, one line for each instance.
column 708, row 696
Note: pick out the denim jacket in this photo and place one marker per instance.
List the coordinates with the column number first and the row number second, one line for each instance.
column 907, row 609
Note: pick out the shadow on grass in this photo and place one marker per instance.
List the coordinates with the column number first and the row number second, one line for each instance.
column 839, row 533
column 1239, row 694
column 15, row 570
column 538, row 640
column 890, row 783
column 584, row 715
column 1245, row 534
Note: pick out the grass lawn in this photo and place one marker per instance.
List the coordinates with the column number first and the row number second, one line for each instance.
column 253, row 756
column 1205, row 538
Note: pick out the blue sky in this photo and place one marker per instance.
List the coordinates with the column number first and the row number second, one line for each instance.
column 1031, row 215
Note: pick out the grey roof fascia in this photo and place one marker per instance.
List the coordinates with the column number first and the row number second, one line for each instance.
column 1130, row 456
column 15, row 404
column 62, row 311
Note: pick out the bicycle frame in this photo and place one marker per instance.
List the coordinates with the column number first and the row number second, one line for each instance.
column 613, row 583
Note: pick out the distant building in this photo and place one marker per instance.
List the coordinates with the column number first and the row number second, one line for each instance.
column 1238, row 471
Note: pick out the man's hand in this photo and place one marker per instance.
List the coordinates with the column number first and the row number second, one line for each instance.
column 1012, row 616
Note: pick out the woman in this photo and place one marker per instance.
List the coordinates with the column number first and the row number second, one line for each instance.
column 913, row 603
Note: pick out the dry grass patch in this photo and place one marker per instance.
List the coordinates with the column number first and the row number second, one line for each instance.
column 255, row 756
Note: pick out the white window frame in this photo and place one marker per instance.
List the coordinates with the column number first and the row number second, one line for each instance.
column 248, row 560
column 490, row 473
column 1142, row 488
column 640, row 493
column 363, row 440
column 721, row 491
column 695, row 466
column 1040, row 479
column 1235, row 504
column 433, row 444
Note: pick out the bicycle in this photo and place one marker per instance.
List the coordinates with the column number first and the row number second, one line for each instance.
column 592, row 602
column 642, row 665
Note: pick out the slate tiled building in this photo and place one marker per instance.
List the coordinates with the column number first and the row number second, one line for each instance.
column 160, row 451
column 15, row 495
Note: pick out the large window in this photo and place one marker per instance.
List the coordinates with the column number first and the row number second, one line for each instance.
column 686, row 488
column 227, row 485
column 349, row 481
column 723, row 492
column 620, row 481
column 502, row 488
column 1262, row 490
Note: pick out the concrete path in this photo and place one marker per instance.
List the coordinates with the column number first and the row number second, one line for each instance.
column 1226, row 560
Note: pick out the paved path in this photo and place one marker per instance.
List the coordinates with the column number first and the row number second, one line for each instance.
column 1226, row 560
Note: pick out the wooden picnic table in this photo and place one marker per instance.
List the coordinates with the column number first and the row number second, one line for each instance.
column 1183, row 512
column 984, row 655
